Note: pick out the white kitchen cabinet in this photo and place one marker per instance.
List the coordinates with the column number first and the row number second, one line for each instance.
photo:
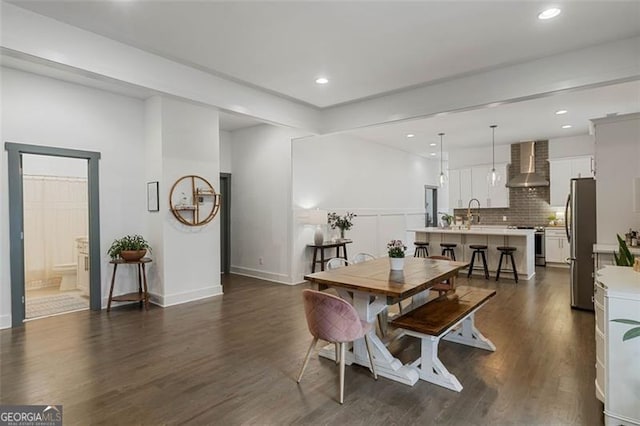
column 556, row 246
column 499, row 194
column 617, row 296
column 562, row 171
column 460, row 188
column 455, row 202
column 480, row 185
column 466, row 190
column 473, row 182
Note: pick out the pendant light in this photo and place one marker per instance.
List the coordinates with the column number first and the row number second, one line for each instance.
column 443, row 177
column 494, row 177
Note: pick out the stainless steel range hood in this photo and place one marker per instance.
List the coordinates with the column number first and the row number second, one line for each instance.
column 528, row 176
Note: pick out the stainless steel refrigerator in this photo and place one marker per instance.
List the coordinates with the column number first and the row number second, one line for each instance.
column 580, row 224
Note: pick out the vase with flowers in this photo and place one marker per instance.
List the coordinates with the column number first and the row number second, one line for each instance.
column 396, row 249
column 344, row 223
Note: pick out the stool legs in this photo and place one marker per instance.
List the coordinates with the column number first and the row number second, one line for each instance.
column 451, row 255
column 484, row 263
column 513, row 266
column 473, row 258
column 421, row 251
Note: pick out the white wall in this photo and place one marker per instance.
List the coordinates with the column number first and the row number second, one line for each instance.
column 617, row 157
column 383, row 186
column 225, row 151
column 43, row 111
column 469, row 157
column 572, row 146
column 261, row 206
column 190, row 146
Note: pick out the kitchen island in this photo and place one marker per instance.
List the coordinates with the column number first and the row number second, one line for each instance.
column 492, row 237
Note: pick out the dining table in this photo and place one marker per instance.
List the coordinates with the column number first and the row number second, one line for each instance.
column 371, row 287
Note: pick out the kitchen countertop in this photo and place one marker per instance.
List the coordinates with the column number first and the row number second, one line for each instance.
column 610, row 248
column 478, row 230
column 620, row 281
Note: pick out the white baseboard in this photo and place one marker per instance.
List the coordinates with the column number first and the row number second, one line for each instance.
column 263, row 275
column 5, row 321
column 176, row 298
column 185, row 297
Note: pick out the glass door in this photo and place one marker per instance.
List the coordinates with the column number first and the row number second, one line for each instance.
column 431, row 206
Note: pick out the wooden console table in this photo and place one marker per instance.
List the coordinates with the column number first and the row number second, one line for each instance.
column 142, row 295
column 327, row 245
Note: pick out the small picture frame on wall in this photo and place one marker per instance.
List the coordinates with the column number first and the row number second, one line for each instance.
column 153, row 204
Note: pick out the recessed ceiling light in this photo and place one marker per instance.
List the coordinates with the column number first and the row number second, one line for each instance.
column 549, row 13
column 433, row 144
column 561, row 111
column 322, row 80
column 567, row 126
column 410, row 135
column 433, row 154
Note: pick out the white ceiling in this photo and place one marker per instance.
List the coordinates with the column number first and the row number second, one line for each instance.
column 527, row 120
column 278, row 46
column 364, row 48
column 228, row 121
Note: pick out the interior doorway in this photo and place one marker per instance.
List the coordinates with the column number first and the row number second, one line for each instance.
column 56, row 242
column 225, row 223
column 45, row 269
column 430, row 206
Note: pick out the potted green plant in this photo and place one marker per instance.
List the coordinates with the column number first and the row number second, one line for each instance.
column 446, row 219
column 129, row 248
column 624, row 257
column 396, row 249
column 344, row 223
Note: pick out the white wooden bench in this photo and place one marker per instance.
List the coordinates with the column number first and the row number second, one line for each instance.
column 450, row 318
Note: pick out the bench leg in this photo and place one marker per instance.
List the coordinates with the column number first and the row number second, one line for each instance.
column 431, row 368
column 468, row 334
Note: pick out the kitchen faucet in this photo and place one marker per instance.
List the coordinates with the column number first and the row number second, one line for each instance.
column 470, row 215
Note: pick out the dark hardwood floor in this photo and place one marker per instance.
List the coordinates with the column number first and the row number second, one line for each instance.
column 234, row 359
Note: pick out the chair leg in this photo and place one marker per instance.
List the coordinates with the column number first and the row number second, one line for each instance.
column 342, row 356
column 415, row 252
column 337, row 352
column 484, row 264
column 499, row 267
column 380, row 325
column 473, row 258
column 373, row 367
column 306, row 359
column 513, row 265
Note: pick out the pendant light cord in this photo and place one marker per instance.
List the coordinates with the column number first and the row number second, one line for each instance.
column 493, row 145
column 441, row 159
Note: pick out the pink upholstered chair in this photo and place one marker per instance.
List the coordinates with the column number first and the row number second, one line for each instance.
column 333, row 319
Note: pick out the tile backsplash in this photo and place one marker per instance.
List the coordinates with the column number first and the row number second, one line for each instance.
column 528, row 206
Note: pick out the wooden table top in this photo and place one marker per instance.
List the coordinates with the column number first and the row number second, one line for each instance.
column 375, row 276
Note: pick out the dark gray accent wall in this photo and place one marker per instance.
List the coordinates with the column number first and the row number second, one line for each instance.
column 527, row 206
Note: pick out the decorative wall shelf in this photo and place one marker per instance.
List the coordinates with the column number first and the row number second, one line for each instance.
column 194, row 201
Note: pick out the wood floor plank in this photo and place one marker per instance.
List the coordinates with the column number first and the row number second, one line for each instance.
column 234, row 359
